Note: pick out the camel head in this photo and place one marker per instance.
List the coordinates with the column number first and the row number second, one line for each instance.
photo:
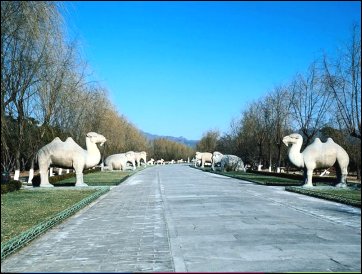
column 292, row 139
column 96, row 138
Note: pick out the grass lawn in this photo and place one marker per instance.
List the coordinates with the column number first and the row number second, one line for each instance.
column 21, row 210
column 350, row 195
column 262, row 179
column 102, row 178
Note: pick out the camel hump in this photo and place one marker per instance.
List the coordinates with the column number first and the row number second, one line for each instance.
column 317, row 140
column 70, row 140
column 70, row 143
column 56, row 140
column 330, row 140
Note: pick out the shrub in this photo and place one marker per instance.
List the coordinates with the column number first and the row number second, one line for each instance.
column 57, row 178
column 11, row 186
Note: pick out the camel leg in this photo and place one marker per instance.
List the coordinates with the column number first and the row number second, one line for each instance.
column 79, row 177
column 31, row 175
column 309, row 176
column 343, row 178
column 43, row 170
column 44, row 181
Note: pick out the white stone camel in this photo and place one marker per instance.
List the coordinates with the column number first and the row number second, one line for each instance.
column 317, row 155
column 69, row 154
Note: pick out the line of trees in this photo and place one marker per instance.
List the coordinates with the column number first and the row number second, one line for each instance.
column 169, row 150
column 324, row 101
column 45, row 92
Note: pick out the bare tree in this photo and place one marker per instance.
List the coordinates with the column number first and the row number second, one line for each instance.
column 343, row 80
column 279, row 104
column 253, row 131
column 309, row 102
column 26, row 28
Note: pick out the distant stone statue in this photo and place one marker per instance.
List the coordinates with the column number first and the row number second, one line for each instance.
column 69, row 154
column 227, row 162
column 116, row 161
column 203, row 157
column 140, row 156
column 131, row 157
column 160, row 162
column 317, row 155
column 150, row 162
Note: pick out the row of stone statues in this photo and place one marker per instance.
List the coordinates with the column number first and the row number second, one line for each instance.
column 119, row 161
column 69, row 154
column 316, row 155
column 226, row 162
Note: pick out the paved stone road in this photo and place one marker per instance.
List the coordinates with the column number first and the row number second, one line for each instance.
column 175, row 218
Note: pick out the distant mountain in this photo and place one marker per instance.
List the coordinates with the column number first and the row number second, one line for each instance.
column 181, row 140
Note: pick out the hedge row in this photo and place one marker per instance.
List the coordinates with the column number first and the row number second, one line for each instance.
column 57, row 178
column 11, row 186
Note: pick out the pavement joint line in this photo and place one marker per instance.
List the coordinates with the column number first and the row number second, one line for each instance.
column 175, row 246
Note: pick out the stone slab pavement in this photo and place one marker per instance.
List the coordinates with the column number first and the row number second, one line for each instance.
column 175, row 218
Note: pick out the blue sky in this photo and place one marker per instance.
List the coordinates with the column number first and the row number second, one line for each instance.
column 182, row 68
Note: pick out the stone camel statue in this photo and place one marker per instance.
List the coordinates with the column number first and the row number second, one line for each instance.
column 69, row 154
column 317, row 155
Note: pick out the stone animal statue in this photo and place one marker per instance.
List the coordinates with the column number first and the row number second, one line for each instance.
column 116, row 161
column 317, row 155
column 131, row 157
column 227, row 162
column 203, row 157
column 150, row 162
column 140, row 156
column 216, row 159
column 160, row 162
column 69, row 154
